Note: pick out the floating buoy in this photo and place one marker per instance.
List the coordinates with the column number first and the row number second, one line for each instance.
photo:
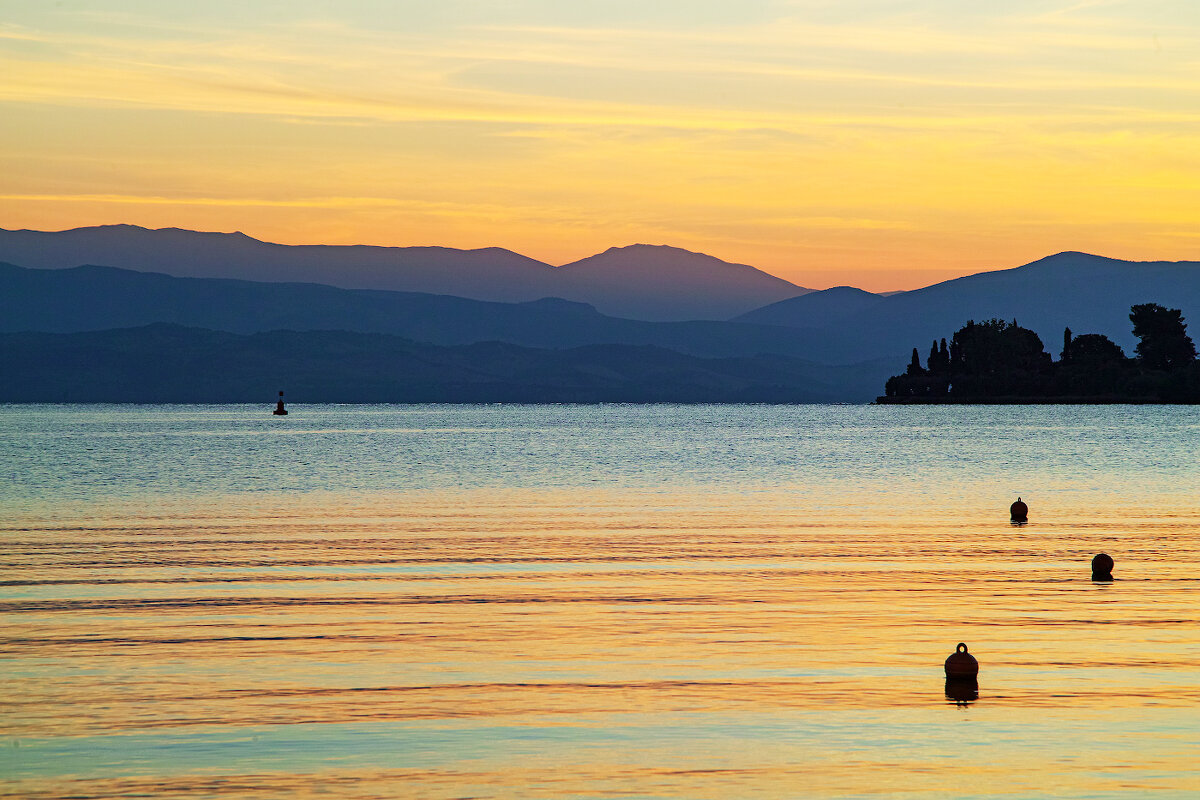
column 280, row 411
column 1019, row 511
column 961, row 664
column 1102, row 567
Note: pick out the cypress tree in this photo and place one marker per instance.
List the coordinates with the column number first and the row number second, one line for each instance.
column 914, row 368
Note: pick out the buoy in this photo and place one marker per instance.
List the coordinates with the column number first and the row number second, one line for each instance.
column 961, row 664
column 279, row 409
column 1019, row 511
column 1102, row 567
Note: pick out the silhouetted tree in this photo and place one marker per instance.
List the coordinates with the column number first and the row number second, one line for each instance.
column 1164, row 341
column 995, row 358
column 998, row 359
column 914, row 367
column 939, row 359
column 996, row 346
column 1096, row 367
column 1096, row 349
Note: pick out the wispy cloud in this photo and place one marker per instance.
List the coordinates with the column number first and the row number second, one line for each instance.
column 813, row 127
column 223, row 202
column 338, row 70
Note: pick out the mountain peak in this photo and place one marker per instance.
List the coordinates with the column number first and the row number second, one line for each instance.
column 1073, row 256
column 642, row 281
column 833, row 306
column 644, row 260
column 1066, row 264
column 672, row 283
column 643, row 246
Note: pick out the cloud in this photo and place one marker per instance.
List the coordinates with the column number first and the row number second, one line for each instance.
column 589, row 75
column 259, row 202
column 814, row 126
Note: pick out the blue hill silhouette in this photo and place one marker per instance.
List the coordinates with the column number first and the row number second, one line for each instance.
column 95, row 298
column 835, row 306
column 640, row 281
column 658, row 282
column 168, row 363
column 1087, row 293
column 867, row 337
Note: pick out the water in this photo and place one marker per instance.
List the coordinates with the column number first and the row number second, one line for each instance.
column 597, row 601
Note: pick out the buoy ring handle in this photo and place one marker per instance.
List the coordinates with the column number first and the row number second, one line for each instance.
column 962, row 648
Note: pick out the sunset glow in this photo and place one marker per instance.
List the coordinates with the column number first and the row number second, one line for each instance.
column 881, row 144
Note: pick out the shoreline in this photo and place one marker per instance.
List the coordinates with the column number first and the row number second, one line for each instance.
column 1020, row 400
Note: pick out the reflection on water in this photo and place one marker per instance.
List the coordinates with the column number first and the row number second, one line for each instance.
column 962, row 691
column 570, row 601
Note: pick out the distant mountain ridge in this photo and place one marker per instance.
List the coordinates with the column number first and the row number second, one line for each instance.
column 814, row 310
column 871, row 335
column 699, row 282
column 1088, row 293
column 172, row 364
column 98, row 298
column 639, row 281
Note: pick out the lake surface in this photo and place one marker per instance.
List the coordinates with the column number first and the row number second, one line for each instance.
column 597, row 601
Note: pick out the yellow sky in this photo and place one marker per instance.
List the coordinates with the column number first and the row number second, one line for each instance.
column 878, row 143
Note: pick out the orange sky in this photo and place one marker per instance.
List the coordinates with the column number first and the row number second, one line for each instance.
column 876, row 143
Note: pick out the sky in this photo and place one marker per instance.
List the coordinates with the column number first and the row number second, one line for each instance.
column 875, row 143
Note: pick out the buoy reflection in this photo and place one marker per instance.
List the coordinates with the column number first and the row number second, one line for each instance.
column 962, row 691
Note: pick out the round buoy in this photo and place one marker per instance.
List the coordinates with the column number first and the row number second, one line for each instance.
column 1102, row 567
column 1019, row 511
column 961, row 664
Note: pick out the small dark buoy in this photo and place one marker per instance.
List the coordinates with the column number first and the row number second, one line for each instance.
column 1019, row 511
column 1102, row 567
column 279, row 409
column 961, row 664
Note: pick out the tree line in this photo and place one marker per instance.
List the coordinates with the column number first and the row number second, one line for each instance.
column 995, row 359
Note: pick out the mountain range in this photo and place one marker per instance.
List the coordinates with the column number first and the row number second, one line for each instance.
column 845, row 342
column 163, row 363
column 92, row 298
column 640, row 281
column 1087, row 293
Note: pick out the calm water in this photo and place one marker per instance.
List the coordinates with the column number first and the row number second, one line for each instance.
column 597, row 601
